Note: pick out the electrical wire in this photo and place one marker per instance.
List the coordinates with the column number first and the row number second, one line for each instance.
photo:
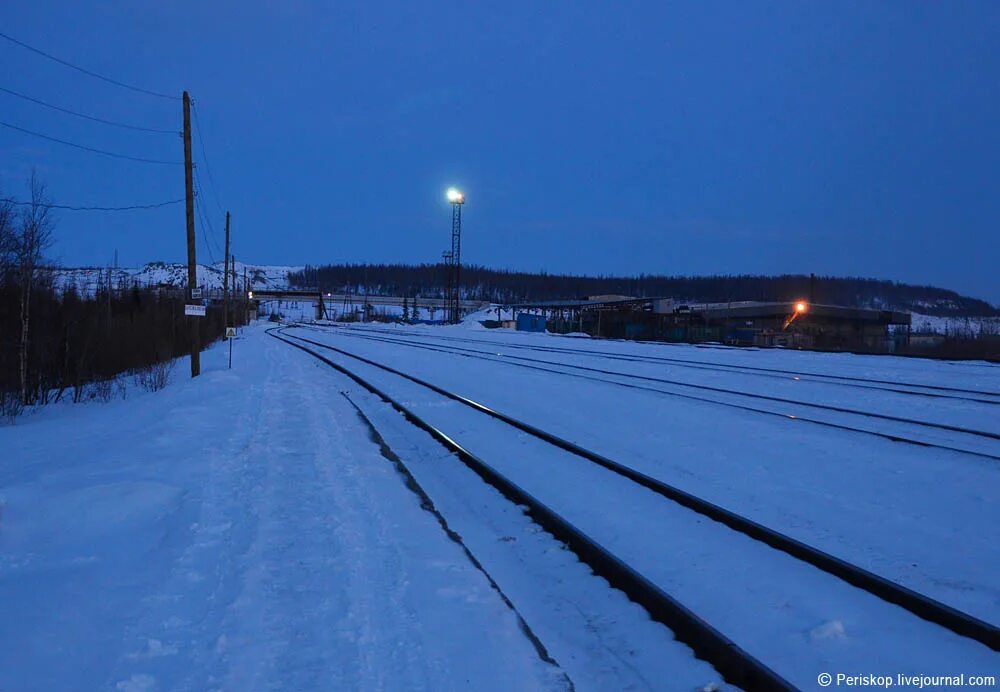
column 82, row 115
column 206, row 223
column 88, row 72
column 79, row 208
column 199, row 209
column 204, row 155
column 91, row 149
column 204, row 238
column 199, row 193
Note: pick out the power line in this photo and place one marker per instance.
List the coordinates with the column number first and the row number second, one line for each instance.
column 204, row 238
column 91, row 149
column 204, row 155
column 88, row 72
column 78, row 208
column 199, row 194
column 88, row 117
column 205, row 223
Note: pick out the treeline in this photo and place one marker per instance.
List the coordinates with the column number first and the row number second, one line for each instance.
column 499, row 286
column 58, row 343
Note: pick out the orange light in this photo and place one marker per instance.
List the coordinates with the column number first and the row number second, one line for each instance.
column 801, row 307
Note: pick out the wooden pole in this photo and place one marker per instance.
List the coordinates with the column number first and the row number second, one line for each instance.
column 192, row 262
column 225, row 282
column 232, row 286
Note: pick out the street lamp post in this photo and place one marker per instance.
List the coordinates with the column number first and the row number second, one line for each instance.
column 457, row 199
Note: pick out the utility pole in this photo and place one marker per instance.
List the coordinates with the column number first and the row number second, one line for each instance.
column 109, row 298
column 246, row 292
column 225, row 282
column 232, row 288
column 192, row 263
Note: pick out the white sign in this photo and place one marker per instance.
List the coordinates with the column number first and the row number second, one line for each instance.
column 195, row 310
column 230, row 331
column 196, row 293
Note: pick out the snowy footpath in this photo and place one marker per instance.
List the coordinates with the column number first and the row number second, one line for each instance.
column 240, row 531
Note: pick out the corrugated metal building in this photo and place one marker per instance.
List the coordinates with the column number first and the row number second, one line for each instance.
column 790, row 324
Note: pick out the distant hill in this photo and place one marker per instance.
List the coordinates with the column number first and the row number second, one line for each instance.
column 481, row 283
column 86, row 279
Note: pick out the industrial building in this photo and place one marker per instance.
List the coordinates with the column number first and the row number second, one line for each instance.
column 796, row 324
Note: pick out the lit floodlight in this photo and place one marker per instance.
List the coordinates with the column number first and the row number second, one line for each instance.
column 801, row 307
column 456, row 196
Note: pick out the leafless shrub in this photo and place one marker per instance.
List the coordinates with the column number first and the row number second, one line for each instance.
column 102, row 391
column 154, row 377
column 121, row 386
column 10, row 405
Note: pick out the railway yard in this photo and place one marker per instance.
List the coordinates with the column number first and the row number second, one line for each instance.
column 426, row 506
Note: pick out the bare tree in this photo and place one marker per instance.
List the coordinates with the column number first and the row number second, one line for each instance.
column 32, row 237
column 7, row 239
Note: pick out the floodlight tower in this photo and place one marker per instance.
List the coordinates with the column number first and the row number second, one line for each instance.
column 457, row 199
column 446, row 260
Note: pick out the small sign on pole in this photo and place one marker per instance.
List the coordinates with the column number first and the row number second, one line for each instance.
column 195, row 293
column 230, row 332
column 194, row 310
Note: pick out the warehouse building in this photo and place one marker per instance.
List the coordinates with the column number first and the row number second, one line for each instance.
column 796, row 324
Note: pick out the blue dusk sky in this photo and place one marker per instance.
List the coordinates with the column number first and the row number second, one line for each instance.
column 845, row 138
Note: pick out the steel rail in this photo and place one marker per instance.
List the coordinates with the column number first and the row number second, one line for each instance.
column 500, row 358
column 763, row 371
column 768, row 397
column 920, row 605
column 736, row 665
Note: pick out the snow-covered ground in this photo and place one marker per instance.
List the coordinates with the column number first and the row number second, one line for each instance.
column 925, row 518
column 305, row 311
column 291, row 310
column 243, row 531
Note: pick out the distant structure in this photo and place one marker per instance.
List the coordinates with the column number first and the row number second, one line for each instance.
column 796, row 324
column 454, row 257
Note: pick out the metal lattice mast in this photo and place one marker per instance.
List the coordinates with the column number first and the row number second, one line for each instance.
column 457, row 199
column 456, row 262
column 446, row 257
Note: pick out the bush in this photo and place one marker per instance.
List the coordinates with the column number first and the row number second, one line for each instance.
column 102, row 390
column 10, row 405
column 154, row 377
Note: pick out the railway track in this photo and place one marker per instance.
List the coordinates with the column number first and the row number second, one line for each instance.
column 896, row 387
column 735, row 664
column 971, row 435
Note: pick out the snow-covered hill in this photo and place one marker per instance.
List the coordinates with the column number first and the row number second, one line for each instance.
column 960, row 327
column 86, row 279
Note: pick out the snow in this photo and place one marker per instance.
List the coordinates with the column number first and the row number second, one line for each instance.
column 849, row 494
column 867, row 500
column 87, row 279
column 243, row 531
column 288, row 310
column 235, row 532
column 962, row 327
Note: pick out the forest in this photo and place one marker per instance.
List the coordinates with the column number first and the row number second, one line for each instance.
column 58, row 344
column 500, row 286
